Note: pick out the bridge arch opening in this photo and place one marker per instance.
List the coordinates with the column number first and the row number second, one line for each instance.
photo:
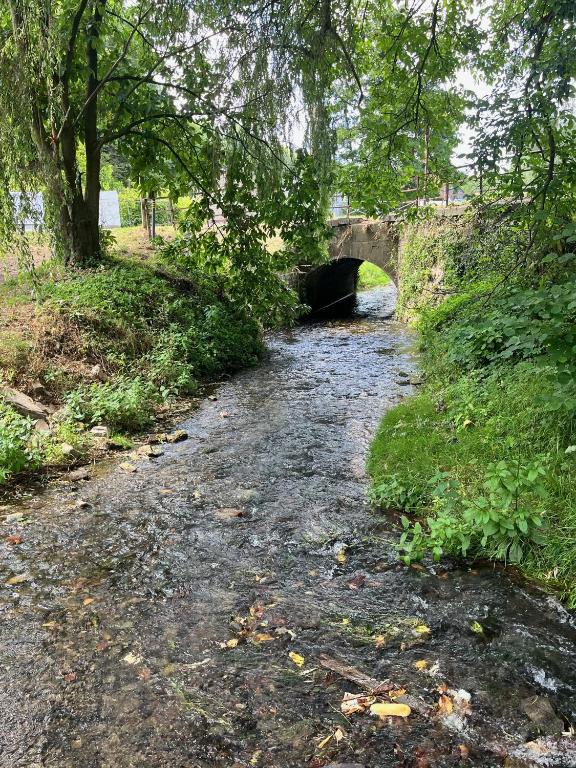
column 331, row 289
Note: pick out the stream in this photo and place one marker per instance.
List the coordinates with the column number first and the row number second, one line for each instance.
column 211, row 608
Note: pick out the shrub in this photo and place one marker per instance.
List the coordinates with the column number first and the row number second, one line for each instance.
column 18, row 448
column 124, row 404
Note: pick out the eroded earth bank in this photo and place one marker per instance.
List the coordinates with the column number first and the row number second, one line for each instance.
column 213, row 608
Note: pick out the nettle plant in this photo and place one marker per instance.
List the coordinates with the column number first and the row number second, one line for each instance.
column 502, row 521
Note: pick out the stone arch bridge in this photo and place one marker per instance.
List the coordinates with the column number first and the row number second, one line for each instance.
column 331, row 287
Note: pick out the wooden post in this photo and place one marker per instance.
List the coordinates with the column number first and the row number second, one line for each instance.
column 426, row 161
column 144, row 213
column 153, row 217
column 446, row 194
column 171, row 211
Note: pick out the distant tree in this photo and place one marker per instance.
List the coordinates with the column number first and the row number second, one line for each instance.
column 400, row 127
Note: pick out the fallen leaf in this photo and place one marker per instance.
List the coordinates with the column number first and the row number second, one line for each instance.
column 232, row 643
column 379, row 641
column 357, row 581
column 396, row 693
column 50, row 624
column 422, row 629
column 296, row 658
column 477, row 628
column 257, row 610
column 325, row 741
column 256, row 756
column 341, row 555
column 421, row 664
column 132, row 658
column 224, row 414
column 103, row 645
column 355, row 702
column 445, row 705
column 464, row 751
column 19, row 578
column 88, row 601
column 338, row 735
column 390, row 709
column 15, row 539
column 262, row 637
column 70, row 677
column 145, row 674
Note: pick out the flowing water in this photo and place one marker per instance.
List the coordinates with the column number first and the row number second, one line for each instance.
column 157, row 610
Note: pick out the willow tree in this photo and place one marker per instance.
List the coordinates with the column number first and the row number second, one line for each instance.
column 171, row 81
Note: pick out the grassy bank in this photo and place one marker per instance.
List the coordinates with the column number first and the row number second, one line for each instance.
column 371, row 276
column 112, row 346
column 482, row 460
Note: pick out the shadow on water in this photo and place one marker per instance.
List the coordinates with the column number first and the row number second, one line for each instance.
column 179, row 616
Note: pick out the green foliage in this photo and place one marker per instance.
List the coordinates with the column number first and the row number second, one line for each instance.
column 406, row 126
column 503, row 520
column 18, row 448
column 124, row 404
column 483, row 460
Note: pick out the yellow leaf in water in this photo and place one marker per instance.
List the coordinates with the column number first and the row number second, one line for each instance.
column 341, row 556
column 346, row 622
column 296, row 658
column 232, row 643
column 445, row 705
column 379, row 641
column 389, row 709
column 338, row 735
column 132, row 658
column 422, row 629
column 398, row 692
column 19, row 578
column 477, row 627
column 255, row 757
column 421, row 664
column 87, row 600
column 263, row 637
column 325, row 741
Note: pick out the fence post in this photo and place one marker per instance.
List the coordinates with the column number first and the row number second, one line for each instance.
column 153, row 222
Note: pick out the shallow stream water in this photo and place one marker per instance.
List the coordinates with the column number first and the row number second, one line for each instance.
column 177, row 616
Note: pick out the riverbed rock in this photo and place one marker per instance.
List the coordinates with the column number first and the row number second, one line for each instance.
column 177, row 436
column 82, row 473
column 24, row 404
column 542, row 714
column 150, row 450
column 100, row 431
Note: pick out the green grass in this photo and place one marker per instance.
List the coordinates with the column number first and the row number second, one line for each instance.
column 153, row 335
column 371, row 276
column 495, row 401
